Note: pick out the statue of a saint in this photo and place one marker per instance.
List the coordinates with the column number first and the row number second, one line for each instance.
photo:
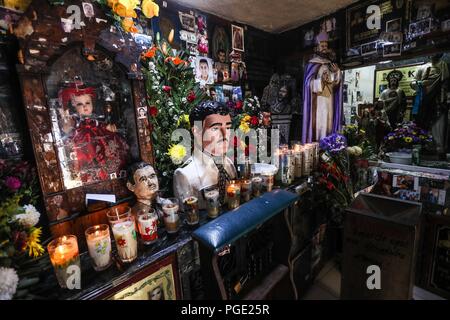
column 394, row 98
column 430, row 107
column 322, row 94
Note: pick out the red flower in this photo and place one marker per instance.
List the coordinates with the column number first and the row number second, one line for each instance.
column 13, row 183
column 153, row 111
column 239, row 104
column 191, row 97
column 330, row 186
column 166, row 89
column 122, row 242
column 254, row 121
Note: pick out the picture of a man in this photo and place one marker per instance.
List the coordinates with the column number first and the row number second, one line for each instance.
column 204, row 73
column 210, row 124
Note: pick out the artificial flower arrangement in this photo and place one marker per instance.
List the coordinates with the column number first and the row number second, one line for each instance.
column 171, row 94
column 406, row 136
column 124, row 11
column 19, row 234
column 245, row 117
column 334, row 180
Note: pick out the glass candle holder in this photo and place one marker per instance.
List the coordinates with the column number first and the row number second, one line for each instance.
column 148, row 225
column 124, row 231
column 298, row 163
column 99, row 246
column 212, row 197
column 170, row 209
column 246, row 190
column 257, row 184
column 233, row 189
column 64, row 254
column 268, row 180
column 191, row 210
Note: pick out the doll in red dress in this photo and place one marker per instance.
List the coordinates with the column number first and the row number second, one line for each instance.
column 98, row 150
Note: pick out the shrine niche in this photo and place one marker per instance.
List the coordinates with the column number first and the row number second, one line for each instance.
column 84, row 95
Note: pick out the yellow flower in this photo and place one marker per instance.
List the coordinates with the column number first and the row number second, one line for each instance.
column 34, row 247
column 150, row 9
column 177, row 153
column 125, row 8
column 111, row 3
column 246, row 118
column 244, row 127
column 362, row 131
column 184, row 118
column 127, row 24
column 408, row 139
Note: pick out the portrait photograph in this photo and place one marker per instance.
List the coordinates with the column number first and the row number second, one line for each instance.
column 204, row 70
column 390, row 50
column 394, row 25
column 88, row 10
column 369, row 48
column 222, row 70
column 187, row 21
column 237, row 38
column 142, row 113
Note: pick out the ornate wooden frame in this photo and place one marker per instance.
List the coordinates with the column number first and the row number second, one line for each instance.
column 43, row 40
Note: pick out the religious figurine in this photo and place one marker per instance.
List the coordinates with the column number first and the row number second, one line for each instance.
column 430, row 107
column 394, row 98
column 97, row 150
column 322, row 94
column 271, row 91
column 210, row 124
column 283, row 103
column 143, row 182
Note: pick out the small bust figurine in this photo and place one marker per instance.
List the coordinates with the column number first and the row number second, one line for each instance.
column 143, row 182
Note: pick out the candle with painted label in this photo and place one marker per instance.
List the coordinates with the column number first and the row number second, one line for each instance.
column 64, row 254
column 212, row 202
column 148, row 226
column 233, row 194
column 99, row 246
column 191, row 210
column 171, row 218
column 257, row 183
column 268, row 180
column 246, row 190
column 126, row 241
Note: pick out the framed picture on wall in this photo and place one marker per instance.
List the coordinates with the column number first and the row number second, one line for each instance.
column 394, row 25
column 237, row 37
column 369, row 48
column 392, row 49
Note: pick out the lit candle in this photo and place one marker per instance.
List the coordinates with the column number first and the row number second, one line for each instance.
column 148, row 226
column 63, row 252
column 308, row 159
column 99, row 246
column 268, row 180
column 233, row 194
column 212, row 202
column 171, row 217
column 257, row 183
column 191, row 210
column 126, row 241
column 246, row 190
column 298, row 163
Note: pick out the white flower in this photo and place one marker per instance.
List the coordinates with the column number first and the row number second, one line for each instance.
column 358, row 150
column 8, row 283
column 30, row 218
column 351, row 150
column 184, row 100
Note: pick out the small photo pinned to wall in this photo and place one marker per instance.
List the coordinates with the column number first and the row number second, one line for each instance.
column 187, row 21
column 142, row 113
column 420, row 28
column 369, row 48
column 392, row 49
column 204, row 70
column 88, row 9
column 394, row 25
column 237, row 38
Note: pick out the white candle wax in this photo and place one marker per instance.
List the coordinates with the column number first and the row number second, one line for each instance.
column 99, row 246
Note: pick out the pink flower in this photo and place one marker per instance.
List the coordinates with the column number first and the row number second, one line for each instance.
column 13, row 183
column 166, row 89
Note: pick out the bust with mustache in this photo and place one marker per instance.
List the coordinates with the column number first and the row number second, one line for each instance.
column 143, row 182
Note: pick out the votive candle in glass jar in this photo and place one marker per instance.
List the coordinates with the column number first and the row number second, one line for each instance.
column 124, row 231
column 212, row 197
column 99, row 246
column 257, row 184
column 170, row 208
column 298, row 163
column 148, row 225
column 268, row 180
column 246, row 190
column 64, row 254
column 191, row 210
column 233, row 194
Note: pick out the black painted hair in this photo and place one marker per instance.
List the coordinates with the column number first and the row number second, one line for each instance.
column 133, row 168
column 206, row 108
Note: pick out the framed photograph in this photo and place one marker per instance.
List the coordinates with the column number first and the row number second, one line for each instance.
column 369, row 48
column 220, row 45
column 223, row 71
column 88, row 9
column 445, row 25
column 237, row 38
column 204, row 70
column 393, row 49
column 394, row 25
column 187, row 21
column 142, row 113
column 420, row 28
